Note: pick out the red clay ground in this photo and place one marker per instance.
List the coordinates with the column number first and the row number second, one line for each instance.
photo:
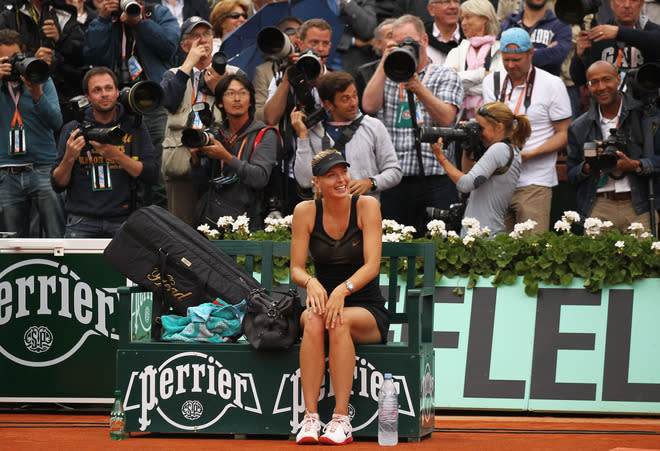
column 26, row 431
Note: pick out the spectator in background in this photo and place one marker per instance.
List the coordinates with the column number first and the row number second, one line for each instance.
column 417, row 8
column 99, row 178
column 225, row 17
column 627, row 41
column 86, row 13
column 136, row 49
column 439, row 95
column 443, row 32
column 478, row 54
column 619, row 195
column 183, row 9
column 382, row 38
column 550, row 36
column 190, row 85
column 29, row 118
column 264, row 73
column 541, row 96
column 359, row 17
column 58, row 42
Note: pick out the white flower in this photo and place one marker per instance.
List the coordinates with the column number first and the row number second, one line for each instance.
column 452, row 235
column 391, row 225
column 562, row 226
column 530, row 224
column 619, row 244
column 571, row 216
column 214, row 233
column 469, row 223
column 607, row 225
column 636, row 227
column 241, row 224
column 468, row 240
column 393, row 237
column 225, row 221
column 485, row 232
column 271, row 221
column 270, row 229
column 645, row 236
column 592, row 226
column 437, row 227
column 204, row 228
column 655, row 246
column 287, row 220
column 408, row 230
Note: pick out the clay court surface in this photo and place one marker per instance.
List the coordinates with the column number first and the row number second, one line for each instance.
column 28, row 431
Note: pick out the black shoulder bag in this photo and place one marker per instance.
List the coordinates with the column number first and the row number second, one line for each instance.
column 271, row 324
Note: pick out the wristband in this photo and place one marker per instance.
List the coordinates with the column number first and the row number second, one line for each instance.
column 307, row 281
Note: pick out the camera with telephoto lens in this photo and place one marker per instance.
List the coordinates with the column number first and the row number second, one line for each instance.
column 307, row 68
column 401, row 63
column 644, row 83
column 219, row 65
column 274, row 44
column 104, row 135
column 194, row 137
column 33, row 69
column 144, row 97
column 452, row 217
column 607, row 159
column 465, row 134
column 131, row 8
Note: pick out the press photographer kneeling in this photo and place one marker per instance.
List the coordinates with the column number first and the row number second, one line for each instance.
column 493, row 175
column 101, row 156
column 611, row 170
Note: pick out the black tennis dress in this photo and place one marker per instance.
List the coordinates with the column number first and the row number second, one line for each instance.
column 337, row 260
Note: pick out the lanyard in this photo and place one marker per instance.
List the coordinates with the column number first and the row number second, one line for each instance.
column 229, row 142
column 426, row 70
column 195, row 87
column 123, row 43
column 529, row 88
column 238, row 156
column 15, row 96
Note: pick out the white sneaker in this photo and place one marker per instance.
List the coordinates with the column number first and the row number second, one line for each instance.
column 308, row 434
column 338, row 431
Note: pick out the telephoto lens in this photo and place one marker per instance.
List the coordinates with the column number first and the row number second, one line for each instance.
column 193, row 138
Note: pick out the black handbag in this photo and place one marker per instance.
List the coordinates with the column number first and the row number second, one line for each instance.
column 271, row 324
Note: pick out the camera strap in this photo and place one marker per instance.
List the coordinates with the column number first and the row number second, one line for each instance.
column 503, row 169
column 529, row 88
column 344, row 138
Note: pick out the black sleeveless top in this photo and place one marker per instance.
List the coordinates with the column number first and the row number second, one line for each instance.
column 336, row 260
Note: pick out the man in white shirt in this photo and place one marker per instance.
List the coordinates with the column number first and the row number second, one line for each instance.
column 543, row 98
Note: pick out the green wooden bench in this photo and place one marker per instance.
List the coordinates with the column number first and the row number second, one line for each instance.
column 230, row 388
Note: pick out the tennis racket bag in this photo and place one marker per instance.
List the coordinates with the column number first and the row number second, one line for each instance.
column 158, row 251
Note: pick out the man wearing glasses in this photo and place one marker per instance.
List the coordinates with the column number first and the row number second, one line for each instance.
column 619, row 195
column 543, row 97
column 444, row 33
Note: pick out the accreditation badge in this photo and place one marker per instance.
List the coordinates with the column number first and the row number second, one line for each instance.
column 403, row 119
column 17, row 144
column 101, row 179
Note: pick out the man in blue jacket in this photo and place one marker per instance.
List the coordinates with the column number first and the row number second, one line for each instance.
column 29, row 116
column 99, row 178
column 550, row 37
column 619, row 195
column 136, row 48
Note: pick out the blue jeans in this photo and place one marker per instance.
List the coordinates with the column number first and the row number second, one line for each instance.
column 19, row 191
column 92, row 227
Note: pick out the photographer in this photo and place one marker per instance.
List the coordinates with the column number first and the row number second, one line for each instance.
column 100, row 178
column 234, row 169
column 619, row 195
column 628, row 40
column 189, row 87
column 492, row 180
column 315, row 36
column 29, row 117
column 438, row 94
column 363, row 140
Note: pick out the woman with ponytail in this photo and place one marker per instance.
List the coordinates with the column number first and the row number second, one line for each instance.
column 492, row 179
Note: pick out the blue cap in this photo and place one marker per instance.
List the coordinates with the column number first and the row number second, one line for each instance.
column 516, row 36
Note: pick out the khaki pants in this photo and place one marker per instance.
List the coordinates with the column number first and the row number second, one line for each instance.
column 620, row 212
column 530, row 202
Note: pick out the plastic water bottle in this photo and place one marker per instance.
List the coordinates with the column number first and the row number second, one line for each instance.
column 388, row 413
column 117, row 418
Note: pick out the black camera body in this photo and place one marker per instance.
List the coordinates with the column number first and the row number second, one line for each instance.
column 452, row 217
column 104, row 135
column 401, row 63
column 572, row 12
column 607, row 160
column 195, row 137
column 466, row 134
column 33, row 69
column 307, row 69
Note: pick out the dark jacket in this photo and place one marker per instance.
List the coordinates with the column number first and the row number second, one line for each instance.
column 253, row 170
column 156, row 42
column 638, row 130
column 644, row 37
column 80, row 198
column 67, row 54
column 359, row 18
column 199, row 8
column 547, row 30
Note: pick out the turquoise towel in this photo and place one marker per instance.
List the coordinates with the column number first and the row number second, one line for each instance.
column 212, row 322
